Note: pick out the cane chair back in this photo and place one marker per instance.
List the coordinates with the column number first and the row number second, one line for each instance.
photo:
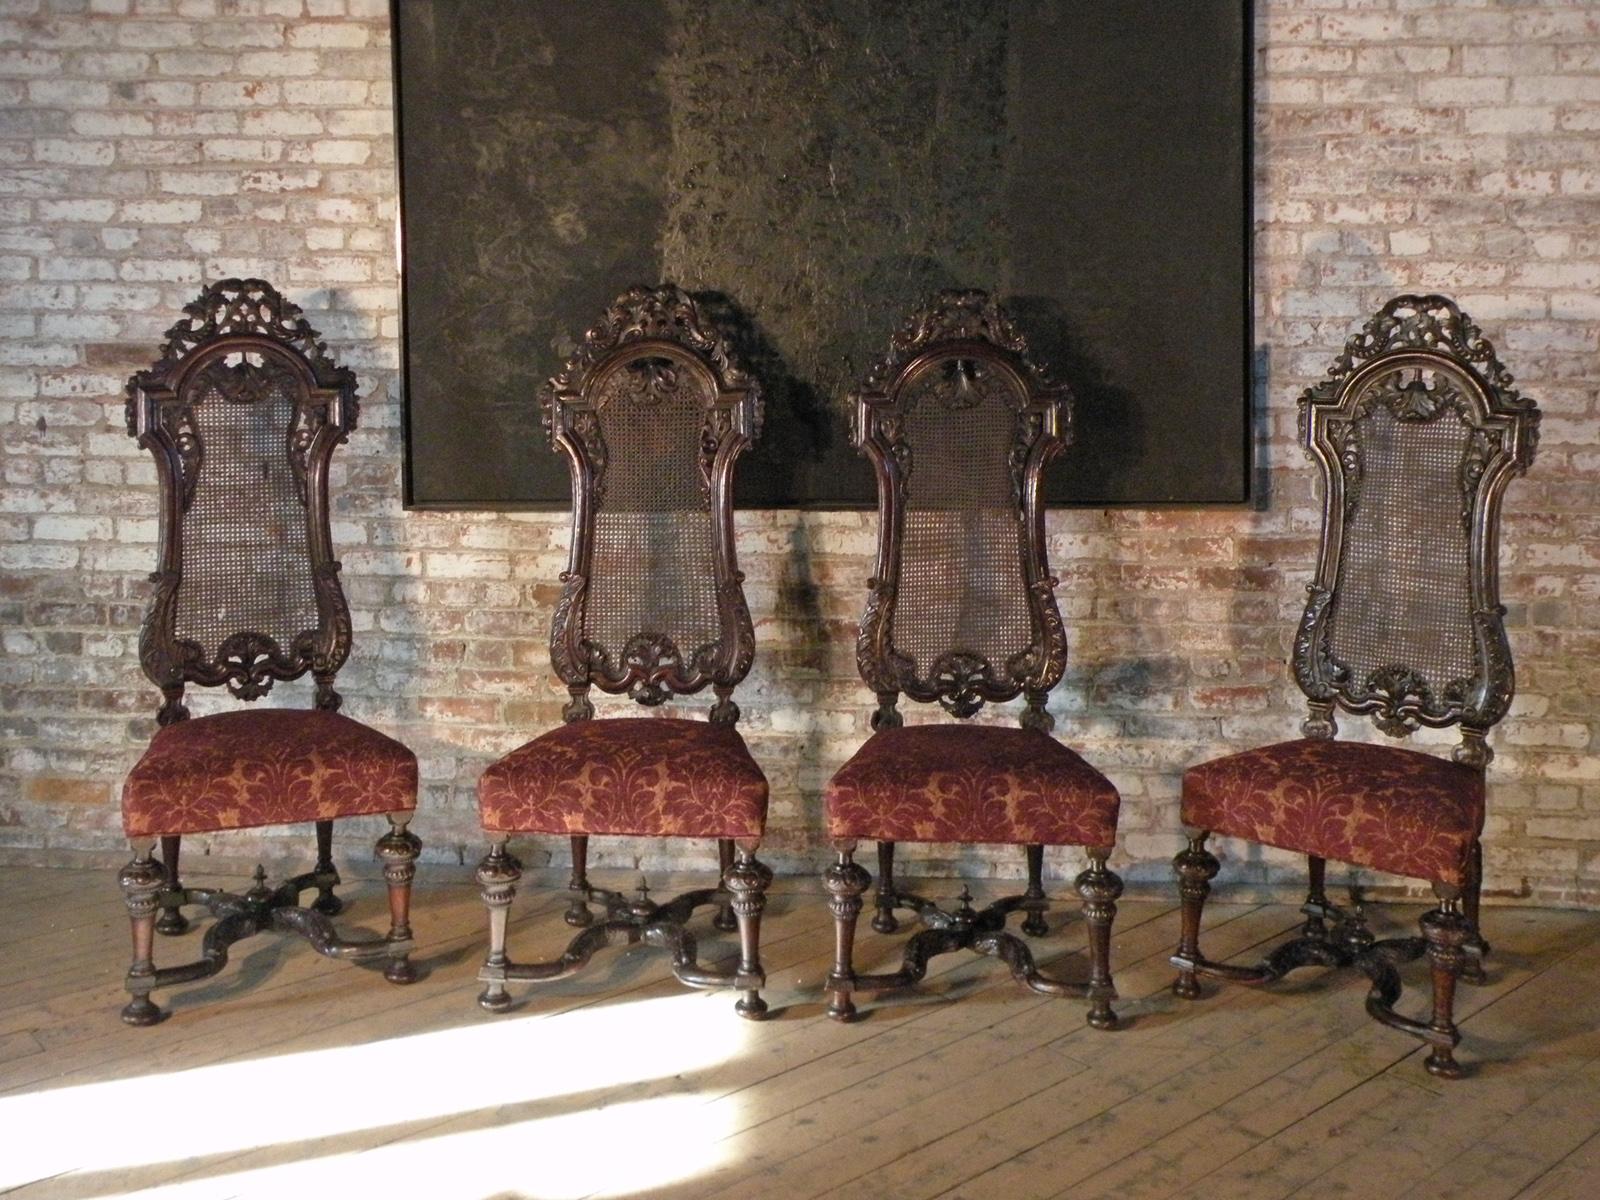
column 959, row 424
column 1417, row 432
column 242, row 413
column 652, row 413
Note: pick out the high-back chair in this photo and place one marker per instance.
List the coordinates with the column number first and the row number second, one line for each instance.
column 242, row 414
column 652, row 413
column 1416, row 433
column 959, row 424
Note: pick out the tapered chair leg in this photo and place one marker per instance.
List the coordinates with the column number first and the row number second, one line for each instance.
column 578, row 914
column 497, row 884
column 1034, row 923
column 1099, row 887
column 1195, row 867
column 883, row 918
column 171, row 922
column 845, row 882
column 326, row 902
column 725, row 919
column 142, row 880
column 748, row 880
column 398, row 849
column 1446, row 931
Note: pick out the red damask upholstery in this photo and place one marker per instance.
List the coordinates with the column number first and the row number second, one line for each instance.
column 1382, row 807
column 644, row 776
column 971, row 783
column 265, row 766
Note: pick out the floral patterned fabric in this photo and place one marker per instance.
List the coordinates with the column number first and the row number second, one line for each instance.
column 265, row 766
column 646, row 776
column 1375, row 806
column 971, row 783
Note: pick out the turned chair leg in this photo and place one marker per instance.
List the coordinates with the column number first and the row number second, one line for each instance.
column 845, row 881
column 725, row 919
column 748, row 880
column 171, row 922
column 326, row 902
column 1477, row 949
column 1099, row 887
column 1446, row 931
column 1034, row 923
column 398, row 849
column 883, row 897
column 578, row 914
column 142, row 880
column 497, row 884
column 1195, row 868
column 1316, row 904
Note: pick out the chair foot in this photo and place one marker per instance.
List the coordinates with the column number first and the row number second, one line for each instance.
column 1186, row 986
column 842, row 1009
column 884, row 921
column 578, row 914
column 1101, row 1016
column 172, row 923
column 400, row 970
column 1441, row 1063
column 142, row 1010
column 1035, row 925
column 751, row 1006
column 328, row 904
column 494, row 998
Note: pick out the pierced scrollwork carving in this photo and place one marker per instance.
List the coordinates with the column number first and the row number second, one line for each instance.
column 242, row 344
column 652, row 345
column 1420, row 360
column 960, row 351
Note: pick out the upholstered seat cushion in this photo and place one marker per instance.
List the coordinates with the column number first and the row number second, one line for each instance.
column 648, row 776
column 971, row 783
column 265, row 766
column 1382, row 807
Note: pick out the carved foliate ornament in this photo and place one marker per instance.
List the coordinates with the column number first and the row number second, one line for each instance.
column 652, row 345
column 958, row 351
column 241, row 343
column 1419, row 360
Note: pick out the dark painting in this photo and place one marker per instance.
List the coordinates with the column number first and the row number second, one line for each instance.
column 811, row 170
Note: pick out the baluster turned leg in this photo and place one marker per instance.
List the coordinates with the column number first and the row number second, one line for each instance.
column 171, row 922
column 1316, row 905
column 142, row 881
column 1195, row 867
column 1099, row 886
column 497, row 884
column 883, row 919
column 1034, row 923
column 845, row 881
column 578, row 914
column 724, row 920
column 398, row 849
column 327, row 874
column 748, row 879
column 1446, row 930
column 1477, row 949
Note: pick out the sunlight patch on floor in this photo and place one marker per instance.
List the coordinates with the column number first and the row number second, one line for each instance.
column 487, row 1064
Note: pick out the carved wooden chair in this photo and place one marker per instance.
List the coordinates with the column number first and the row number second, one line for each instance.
column 242, row 414
column 1417, row 431
column 959, row 425
column 652, row 413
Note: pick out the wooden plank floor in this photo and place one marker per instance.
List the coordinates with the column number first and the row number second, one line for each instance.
column 289, row 1074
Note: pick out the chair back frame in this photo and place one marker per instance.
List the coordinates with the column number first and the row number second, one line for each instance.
column 1415, row 334
column 961, row 327
column 642, row 327
column 244, row 320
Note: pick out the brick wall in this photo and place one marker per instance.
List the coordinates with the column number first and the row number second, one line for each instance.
column 147, row 146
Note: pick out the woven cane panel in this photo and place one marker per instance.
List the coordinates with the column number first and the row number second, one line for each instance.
column 962, row 585
column 653, row 569
column 245, row 559
column 1402, row 595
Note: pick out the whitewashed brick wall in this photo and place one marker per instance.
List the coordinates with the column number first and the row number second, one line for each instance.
column 148, row 146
